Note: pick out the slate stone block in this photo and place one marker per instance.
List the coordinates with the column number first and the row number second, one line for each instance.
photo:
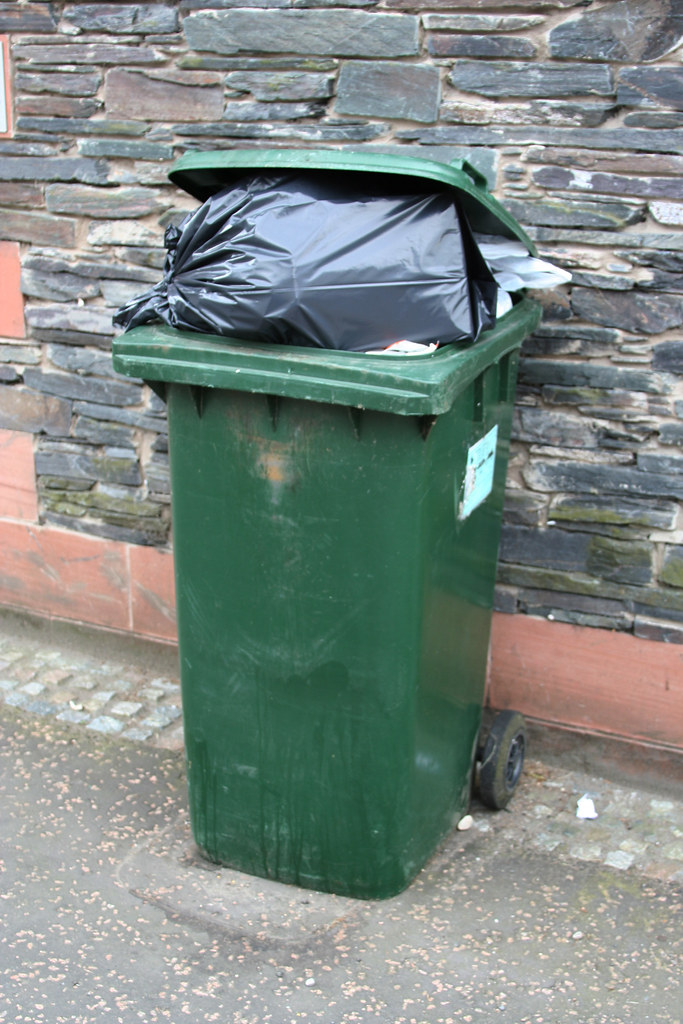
column 83, row 361
column 27, row 17
column 558, row 549
column 561, row 430
column 493, row 47
column 476, row 23
column 389, row 89
column 38, row 228
column 89, row 201
column 651, row 86
column 134, row 149
column 122, row 19
column 57, row 106
column 626, row 31
column 630, row 311
column 324, row 131
column 90, row 389
column 78, row 126
column 534, row 80
column 337, row 33
column 164, row 96
column 61, row 54
column 87, row 319
column 587, row 374
column 614, row 511
column 281, row 85
column 58, row 287
column 244, row 110
column 578, row 477
column 144, row 419
column 111, row 465
column 66, row 83
column 672, row 569
column 24, row 409
column 609, row 216
column 668, row 633
column 522, row 508
column 612, row 184
column 53, row 168
column 100, row 432
column 621, row 561
column 658, row 462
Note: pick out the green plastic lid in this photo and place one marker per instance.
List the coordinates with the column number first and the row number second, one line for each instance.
column 204, row 174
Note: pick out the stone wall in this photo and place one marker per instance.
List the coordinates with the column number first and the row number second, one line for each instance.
column 573, row 111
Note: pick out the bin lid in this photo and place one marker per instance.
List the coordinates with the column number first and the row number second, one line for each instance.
column 403, row 385
column 205, row 173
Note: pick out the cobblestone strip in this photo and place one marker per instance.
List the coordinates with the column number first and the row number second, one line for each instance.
column 116, row 699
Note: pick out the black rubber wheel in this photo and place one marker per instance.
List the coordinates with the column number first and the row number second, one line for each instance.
column 502, row 759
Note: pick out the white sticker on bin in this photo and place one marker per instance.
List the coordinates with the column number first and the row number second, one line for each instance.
column 481, row 462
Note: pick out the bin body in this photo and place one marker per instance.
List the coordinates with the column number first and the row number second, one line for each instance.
column 336, row 523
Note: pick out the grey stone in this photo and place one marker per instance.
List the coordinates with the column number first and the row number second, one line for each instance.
column 671, row 433
column 620, row 561
column 106, row 724
column 480, row 22
column 611, row 216
column 389, row 89
column 612, row 282
column 38, row 228
column 19, row 193
column 522, row 508
column 629, row 311
column 608, row 139
column 494, row 47
column 655, row 86
column 338, row 33
column 559, row 549
column 593, row 159
column 52, row 168
column 125, row 233
column 627, row 31
column 600, row 479
column 533, row 80
column 286, row 65
column 122, row 19
column 56, row 262
column 657, row 462
column 86, row 319
column 66, row 83
column 58, row 106
column 164, row 95
column 244, row 110
column 24, row 409
column 82, row 361
column 672, row 569
column 281, row 85
column 143, row 419
column 64, row 385
column 324, row 131
column 654, row 119
column 617, row 184
column 59, row 54
column 562, row 430
column 79, row 126
column 136, row 149
column 112, row 465
column 27, row 17
column 613, row 511
column 100, row 432
column 57, row 287
column 24, row 355
column 587, row 374
column 668, row 633
column 670, row 261
column 90, row 201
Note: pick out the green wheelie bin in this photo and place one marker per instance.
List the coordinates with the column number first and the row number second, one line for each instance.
column 336, row 520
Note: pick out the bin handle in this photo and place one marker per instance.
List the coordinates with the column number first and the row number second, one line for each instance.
column 477, row 177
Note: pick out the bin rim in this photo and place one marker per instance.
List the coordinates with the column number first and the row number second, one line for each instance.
column 404, row 385
column 202, row 174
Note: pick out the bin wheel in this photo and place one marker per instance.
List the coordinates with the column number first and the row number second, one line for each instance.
column 502, row 759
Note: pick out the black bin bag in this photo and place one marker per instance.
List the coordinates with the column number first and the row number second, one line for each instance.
column 298, row 259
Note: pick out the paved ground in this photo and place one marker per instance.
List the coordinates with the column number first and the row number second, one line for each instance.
column 107, row 914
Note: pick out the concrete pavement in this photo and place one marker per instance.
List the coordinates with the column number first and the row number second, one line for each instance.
column 108, row 914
